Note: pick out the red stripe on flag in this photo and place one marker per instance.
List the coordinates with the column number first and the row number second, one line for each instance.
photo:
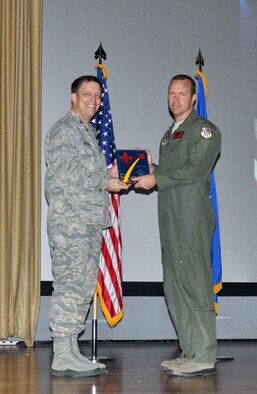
column 109, row 264
column 110, row 268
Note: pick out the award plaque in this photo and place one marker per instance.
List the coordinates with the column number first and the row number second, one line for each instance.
column 131, row 163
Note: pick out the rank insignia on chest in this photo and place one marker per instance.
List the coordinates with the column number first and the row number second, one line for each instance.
column 177, row 134
column 164, row 140
column 206, row 132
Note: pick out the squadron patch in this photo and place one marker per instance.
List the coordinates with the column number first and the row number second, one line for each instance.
column 206, row 132
column 164, row 140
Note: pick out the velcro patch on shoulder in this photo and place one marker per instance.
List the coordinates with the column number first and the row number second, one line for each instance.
column 206, row 133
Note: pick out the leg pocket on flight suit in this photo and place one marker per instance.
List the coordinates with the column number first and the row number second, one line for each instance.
column 196, row 276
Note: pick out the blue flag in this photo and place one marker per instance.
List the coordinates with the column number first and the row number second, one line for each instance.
column 201, row 110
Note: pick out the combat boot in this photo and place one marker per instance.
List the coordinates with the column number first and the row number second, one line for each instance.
column 101, row 367
column 66, row 363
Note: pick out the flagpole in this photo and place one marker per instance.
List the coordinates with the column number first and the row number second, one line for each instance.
column 99, row 54
column 94, row 328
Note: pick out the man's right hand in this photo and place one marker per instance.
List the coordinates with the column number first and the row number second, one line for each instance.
column 115, row 185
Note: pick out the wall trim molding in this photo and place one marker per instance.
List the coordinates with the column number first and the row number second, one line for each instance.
column 155, row 289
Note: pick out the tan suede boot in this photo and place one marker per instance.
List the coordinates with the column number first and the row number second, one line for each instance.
column 66, row 363
column 192, row 368
column 170, row 364
column 101, row 367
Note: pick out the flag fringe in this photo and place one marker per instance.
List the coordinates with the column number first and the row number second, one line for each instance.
column 217, row 287
column 204, row 82
column 112, row 321
column 103, row 68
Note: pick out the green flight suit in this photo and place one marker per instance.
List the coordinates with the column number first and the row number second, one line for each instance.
column 186, row 223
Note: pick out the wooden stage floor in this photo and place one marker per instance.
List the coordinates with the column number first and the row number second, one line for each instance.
column 133, row 367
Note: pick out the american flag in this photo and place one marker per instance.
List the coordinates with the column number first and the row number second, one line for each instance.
column 109, row 286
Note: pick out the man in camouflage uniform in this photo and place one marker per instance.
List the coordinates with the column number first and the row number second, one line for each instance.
column 188, row 153
column 76, row 188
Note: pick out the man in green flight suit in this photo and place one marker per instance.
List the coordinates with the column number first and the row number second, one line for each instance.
column 188, row 152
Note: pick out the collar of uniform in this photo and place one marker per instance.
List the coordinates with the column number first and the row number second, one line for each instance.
column 191, row 118
column 175, row 126
column 183, row 126
column 74, row 115
column 78, row 118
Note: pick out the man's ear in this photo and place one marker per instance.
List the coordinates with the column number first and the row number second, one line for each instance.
column 74, row 98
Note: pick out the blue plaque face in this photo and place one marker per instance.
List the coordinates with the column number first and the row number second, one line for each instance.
column 131, row 163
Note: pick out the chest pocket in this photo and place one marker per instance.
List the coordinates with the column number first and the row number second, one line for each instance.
column 86, row 153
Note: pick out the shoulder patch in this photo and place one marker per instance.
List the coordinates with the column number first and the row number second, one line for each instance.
column 206, row 132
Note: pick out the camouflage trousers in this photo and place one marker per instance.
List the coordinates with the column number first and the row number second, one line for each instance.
column 75, row 251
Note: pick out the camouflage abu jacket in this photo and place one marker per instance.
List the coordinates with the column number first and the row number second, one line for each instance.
column 76, row 174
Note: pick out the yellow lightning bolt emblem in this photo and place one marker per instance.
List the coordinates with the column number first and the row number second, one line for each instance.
column 128, row 173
